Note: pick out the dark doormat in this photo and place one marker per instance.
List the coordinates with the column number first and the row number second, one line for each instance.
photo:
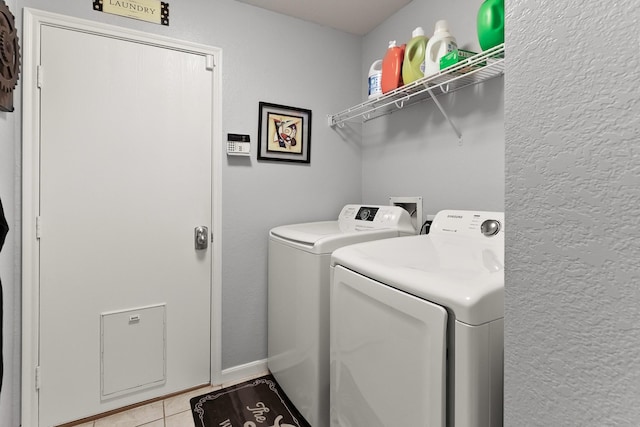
column 256, row 403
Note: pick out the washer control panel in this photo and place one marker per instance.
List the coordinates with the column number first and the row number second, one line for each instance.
column 475, row 224
column 366, row 213
column 363, row 217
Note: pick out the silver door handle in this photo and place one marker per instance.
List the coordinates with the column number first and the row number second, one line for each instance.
column 201, row 237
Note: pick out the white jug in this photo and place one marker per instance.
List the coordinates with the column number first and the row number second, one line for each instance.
column 438, row 46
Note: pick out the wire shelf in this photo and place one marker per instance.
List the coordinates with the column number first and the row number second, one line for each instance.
column 473, row 70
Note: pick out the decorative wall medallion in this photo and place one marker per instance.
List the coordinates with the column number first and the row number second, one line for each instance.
column 9, row 57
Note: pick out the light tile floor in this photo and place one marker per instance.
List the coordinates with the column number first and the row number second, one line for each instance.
column 171, row 412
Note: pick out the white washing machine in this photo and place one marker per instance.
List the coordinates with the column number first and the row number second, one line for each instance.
column 417, row 327
column 298, row 329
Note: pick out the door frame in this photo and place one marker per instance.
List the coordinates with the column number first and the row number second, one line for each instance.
column 32, row 23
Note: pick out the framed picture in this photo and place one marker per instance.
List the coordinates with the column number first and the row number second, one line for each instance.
column 284, row 133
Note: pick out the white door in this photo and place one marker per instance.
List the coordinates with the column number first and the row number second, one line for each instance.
column 125, row 177
column 388, row 355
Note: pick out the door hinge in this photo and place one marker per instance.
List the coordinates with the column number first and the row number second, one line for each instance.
column 210, row 62
column 38, row 228
column 38, row 378
column 39, row 76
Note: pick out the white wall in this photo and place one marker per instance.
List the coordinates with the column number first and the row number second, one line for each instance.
column 414, row 152
column 572, row 114
column 266, row 57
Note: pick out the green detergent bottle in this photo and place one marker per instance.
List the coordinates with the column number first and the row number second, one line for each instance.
column 413, row 64
column 491, row 24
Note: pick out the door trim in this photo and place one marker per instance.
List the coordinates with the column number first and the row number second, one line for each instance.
column 33, row 21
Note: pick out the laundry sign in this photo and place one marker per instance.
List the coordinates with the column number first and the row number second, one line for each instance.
column 154, row 11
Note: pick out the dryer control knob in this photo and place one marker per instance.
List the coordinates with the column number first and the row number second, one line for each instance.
column 490, row 227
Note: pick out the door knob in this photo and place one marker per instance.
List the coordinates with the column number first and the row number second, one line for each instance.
column 201, row 237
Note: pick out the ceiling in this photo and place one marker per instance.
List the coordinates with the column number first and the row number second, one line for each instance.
column 352, row 16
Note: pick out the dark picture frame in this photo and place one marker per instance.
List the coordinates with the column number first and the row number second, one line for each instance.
column 284, row 133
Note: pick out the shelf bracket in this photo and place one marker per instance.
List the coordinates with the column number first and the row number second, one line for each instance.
column 446, row 116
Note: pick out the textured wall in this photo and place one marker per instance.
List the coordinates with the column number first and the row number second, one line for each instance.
column 572, row 114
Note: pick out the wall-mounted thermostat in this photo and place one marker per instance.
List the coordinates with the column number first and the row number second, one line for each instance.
column 238, row 145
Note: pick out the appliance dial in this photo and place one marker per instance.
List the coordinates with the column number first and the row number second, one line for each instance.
column 490, row 227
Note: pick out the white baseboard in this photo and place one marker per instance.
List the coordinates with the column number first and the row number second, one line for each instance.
column 244, row 372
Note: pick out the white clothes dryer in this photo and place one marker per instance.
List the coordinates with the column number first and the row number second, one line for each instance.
column 298, row 299
column 417, row 327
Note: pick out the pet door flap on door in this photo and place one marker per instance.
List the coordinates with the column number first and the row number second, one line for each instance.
column 133, row 347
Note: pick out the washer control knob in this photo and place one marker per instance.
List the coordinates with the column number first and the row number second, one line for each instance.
column 490, row 227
